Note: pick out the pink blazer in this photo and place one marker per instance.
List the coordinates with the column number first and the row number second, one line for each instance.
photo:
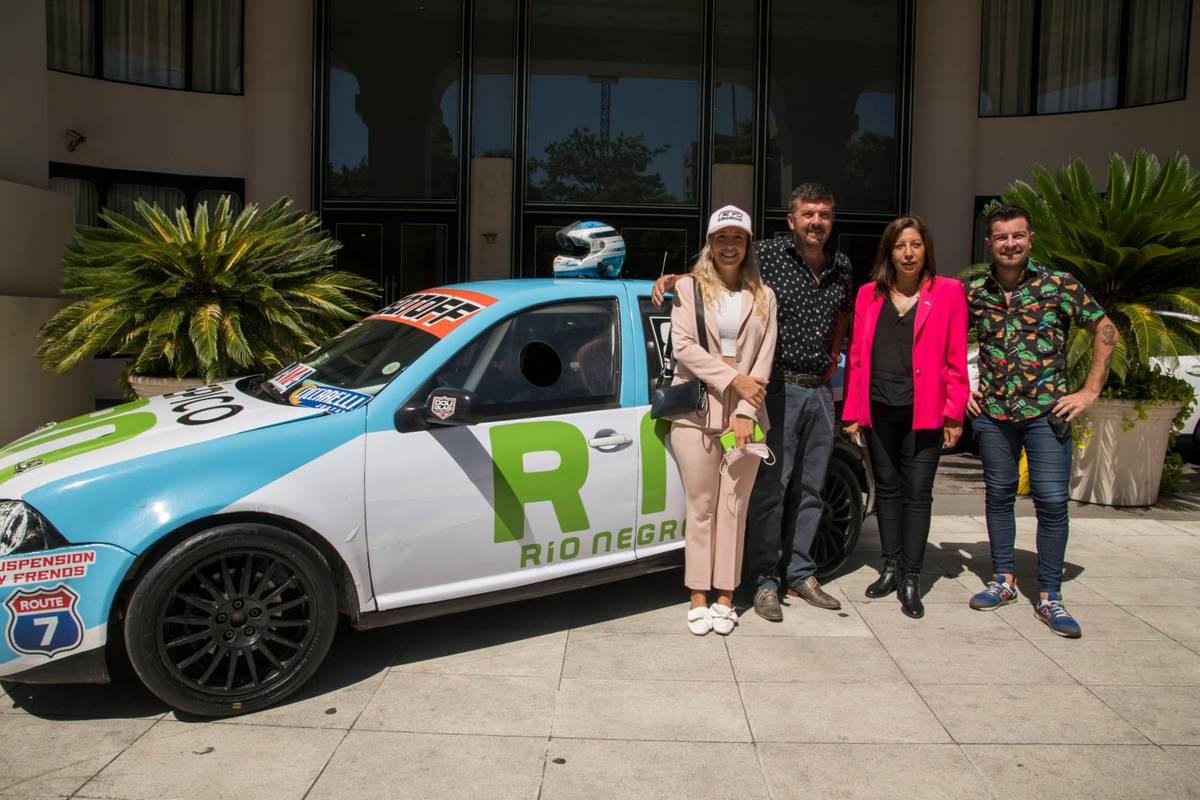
column 940, row 386
column 755, row 354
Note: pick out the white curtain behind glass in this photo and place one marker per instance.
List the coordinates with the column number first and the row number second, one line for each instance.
column 143, row 41
column 70, row 40
column 1007, row 57
column 84, row 198
column 1158, row 33
column 217, row 46
column 121, row 196
column 1080, row 55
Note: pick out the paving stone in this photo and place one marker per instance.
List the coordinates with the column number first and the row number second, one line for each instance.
column 651, row 770
column 975, row 661
column 534, row 656
column 383, row 765
column 1178, row 622
column 935, row 588
column 60, row 782
column 804, row 621
column 330, row 700
column 941, row 620
column 1098, row 622
column 1166, row 714
column 639, row 656
column 1091, row 662
column 1097, row 772
column 1027, row 714
column 796, row 659
column 853, row 713
column 215, row 762
column 473, row 704
column 685, row 711
column 1147, row 591
column 35, row 747
column 869, row 771
column 1124, row 524
column 1187, row 756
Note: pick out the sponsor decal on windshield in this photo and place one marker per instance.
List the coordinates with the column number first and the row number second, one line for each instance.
column 290, row 376
column 436, row 311
column 328, row 398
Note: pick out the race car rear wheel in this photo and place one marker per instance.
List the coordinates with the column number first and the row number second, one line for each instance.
column 231, row 620
column 841, row 516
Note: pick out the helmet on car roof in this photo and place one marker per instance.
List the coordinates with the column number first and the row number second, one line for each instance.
column 594, row 249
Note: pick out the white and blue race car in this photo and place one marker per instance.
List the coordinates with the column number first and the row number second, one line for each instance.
column 464, row 446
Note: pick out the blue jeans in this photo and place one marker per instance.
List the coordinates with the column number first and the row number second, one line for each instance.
column 786, row 504
column 1000, row 446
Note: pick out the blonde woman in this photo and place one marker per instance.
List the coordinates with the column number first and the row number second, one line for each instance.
column 739, row 318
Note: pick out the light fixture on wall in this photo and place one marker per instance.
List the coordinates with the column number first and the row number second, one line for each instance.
column 74, row 139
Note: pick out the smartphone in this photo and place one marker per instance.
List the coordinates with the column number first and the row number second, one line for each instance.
column 1060, row 426
column 729, row 440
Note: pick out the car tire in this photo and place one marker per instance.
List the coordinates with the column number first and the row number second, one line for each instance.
column 841, row 516
column 231, row 620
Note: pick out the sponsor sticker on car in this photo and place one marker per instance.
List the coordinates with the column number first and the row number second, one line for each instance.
column 443, row 407
column 436, row 311
column 291, row 376
column 328, row 398
column 43, row 621
column 23, row 570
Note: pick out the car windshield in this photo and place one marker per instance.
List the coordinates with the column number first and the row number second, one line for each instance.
column 363, row 358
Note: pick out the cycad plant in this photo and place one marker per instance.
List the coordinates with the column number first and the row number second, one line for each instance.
column 210, row 296
column 1136, row 247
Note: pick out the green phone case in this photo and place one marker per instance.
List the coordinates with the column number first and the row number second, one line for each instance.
column 729, row 441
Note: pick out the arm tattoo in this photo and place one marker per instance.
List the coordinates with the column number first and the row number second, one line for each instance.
column 1108, row 333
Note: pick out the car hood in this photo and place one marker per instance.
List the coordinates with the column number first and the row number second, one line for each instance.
column 108, row 438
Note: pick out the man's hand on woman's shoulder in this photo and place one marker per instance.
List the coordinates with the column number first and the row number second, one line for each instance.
column 664, row 284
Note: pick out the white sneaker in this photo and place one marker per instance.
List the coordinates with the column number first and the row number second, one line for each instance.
column 699, row 621
column 724, row 619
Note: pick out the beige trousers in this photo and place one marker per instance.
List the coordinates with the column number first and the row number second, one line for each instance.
column 717, row 498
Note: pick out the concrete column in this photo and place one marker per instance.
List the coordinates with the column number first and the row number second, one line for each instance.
column 279, row 112
column 945, row 107
column 23, row 153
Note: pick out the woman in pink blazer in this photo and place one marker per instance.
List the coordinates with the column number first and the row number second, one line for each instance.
column 907, row 387
column 739, row 318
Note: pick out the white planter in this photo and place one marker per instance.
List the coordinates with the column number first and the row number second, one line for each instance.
column 1118, row 467
column 146, row 387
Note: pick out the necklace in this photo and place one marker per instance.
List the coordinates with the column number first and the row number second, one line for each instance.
column 902, row 309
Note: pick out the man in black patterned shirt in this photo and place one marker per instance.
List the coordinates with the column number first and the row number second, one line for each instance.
column 812, row 284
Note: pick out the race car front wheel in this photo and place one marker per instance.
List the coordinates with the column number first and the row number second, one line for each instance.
column 231, row 620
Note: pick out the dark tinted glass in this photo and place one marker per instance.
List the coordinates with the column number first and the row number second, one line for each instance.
column 613, row 100
column 733, row 96
column 492, row 128
column 144, row 42
column 832, row 101
column 393, row 78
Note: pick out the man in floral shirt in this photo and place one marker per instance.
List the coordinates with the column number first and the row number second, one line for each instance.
column 1022, row 312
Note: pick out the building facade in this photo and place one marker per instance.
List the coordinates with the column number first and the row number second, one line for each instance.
column 446, row 140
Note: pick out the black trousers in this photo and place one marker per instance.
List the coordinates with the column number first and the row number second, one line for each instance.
column 904, row 462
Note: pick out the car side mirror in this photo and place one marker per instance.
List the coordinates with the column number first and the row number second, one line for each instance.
column 446, row 406
column 410, row 418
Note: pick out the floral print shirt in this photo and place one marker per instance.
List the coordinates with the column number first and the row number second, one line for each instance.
column 1023, row 339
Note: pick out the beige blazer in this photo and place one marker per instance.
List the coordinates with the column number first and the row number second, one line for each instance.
column 755, row 354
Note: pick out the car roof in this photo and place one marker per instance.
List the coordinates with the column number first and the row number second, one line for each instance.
column 518, row 288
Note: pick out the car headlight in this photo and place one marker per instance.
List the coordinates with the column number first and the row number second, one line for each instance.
column 24, row 530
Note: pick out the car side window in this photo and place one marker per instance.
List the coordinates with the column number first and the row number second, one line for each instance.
column 553, row 358
column 656, row 328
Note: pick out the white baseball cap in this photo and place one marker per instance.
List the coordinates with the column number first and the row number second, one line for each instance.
column 730, row 217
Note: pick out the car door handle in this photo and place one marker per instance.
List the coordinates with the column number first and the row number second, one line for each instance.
column 609, row 440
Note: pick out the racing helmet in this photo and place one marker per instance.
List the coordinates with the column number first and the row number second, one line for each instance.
column 594, row 249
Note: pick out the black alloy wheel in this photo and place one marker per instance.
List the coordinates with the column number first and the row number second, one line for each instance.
column 841, row 516
column 231, row 620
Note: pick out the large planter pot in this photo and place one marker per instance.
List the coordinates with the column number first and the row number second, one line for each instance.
column 146, row 387
column 1120, row 467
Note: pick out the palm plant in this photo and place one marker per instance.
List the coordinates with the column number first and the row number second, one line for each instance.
column 202, row 297
column 1136, row 247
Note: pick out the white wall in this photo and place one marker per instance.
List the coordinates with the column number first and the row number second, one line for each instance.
column 35, row 226
column 958, row 155
column 23, row 92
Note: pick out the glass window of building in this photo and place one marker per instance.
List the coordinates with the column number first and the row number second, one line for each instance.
column 70, row 36
column 85, row 198
column 143, row 42
column 613, row 101
column 832, row 112
column 393, row 110
column 213, row 196
column 492, row 101
column 121, row 198
column 1057, row 56
column 177, row 44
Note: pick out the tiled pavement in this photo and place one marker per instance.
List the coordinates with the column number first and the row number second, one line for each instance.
column 603, row 693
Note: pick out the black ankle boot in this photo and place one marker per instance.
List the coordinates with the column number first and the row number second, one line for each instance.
column 886, row 584
column 909, row 592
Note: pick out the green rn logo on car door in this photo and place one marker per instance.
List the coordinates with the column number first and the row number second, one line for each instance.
column 562, row 486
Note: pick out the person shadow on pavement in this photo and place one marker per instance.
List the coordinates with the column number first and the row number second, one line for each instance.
column 975, row 557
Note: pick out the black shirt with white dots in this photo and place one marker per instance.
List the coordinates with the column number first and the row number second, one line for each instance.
column 808, row 308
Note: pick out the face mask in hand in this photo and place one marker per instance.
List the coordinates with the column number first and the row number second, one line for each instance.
column 758, row 449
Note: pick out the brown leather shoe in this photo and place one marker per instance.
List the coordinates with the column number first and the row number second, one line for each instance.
column 811, row 592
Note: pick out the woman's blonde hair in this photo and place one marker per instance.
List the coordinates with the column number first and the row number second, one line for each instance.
column 711, row 285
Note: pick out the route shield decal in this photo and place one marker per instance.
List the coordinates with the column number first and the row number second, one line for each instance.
column 443, row 407
column 44, row 621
